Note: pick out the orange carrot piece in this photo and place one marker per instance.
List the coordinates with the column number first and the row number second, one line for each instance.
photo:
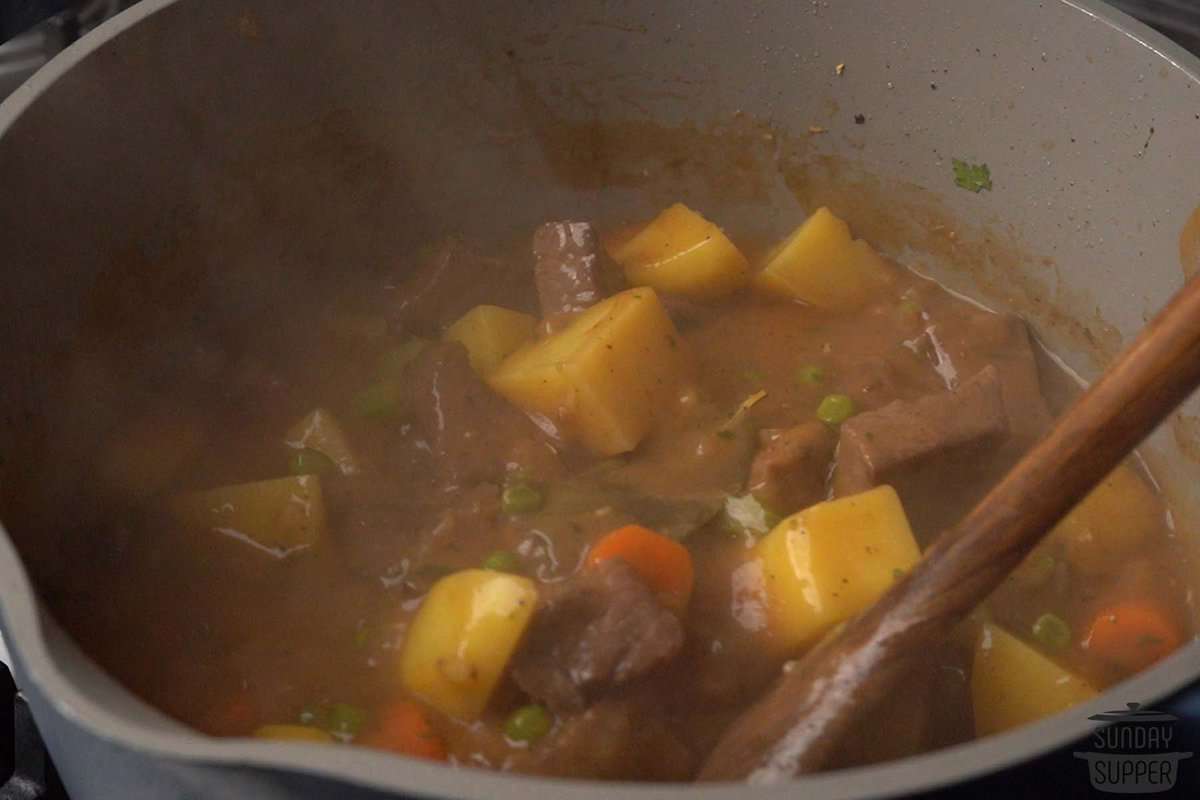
column 237, row 717
column 1132, row 635
column 663, row 563
column 404, row 728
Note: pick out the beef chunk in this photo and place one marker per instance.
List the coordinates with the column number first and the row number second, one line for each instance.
column 450, row 280
column 601, row 628
column 567, row 269
column 471, row 431
column 979, row 339
column 792, row 464
column 615, row 738
column 903, row 435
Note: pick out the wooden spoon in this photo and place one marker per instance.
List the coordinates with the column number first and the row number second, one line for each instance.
column 803, row 720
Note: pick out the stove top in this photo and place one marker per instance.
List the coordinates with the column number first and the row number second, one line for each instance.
column 33, row 31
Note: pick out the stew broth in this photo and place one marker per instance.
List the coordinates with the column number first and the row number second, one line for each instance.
column 433, row 472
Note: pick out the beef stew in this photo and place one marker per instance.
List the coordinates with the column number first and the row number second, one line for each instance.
column 567, row 508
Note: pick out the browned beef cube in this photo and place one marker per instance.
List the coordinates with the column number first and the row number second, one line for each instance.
column 450, row 280
column 902, row 435
column 567, row 269
column 791, row 467
column 472, row 432
column 599, row 629
column 972, row 342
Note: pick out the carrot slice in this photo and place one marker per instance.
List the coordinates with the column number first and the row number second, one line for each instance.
column 663, row 563
column 1132, row 635
column 404, row 728
column 236, row 717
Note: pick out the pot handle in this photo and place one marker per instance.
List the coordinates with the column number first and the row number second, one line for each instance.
column 25, row 768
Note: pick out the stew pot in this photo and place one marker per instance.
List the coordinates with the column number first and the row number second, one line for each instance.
column 256, row 142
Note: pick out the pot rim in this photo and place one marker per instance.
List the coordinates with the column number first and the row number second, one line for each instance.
column 22, row 625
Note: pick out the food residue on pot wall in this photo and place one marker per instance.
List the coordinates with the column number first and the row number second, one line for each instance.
column 742, row 160
column 898, row 216
column 1186, row 427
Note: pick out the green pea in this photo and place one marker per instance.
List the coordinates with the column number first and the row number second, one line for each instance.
column 812, row 375
column 1052, row 631
column 835, row 409
column 394, row 360
column 910, row 309
column 377, row 401
column 520, row 498
column 528, row 723
column 503, row 561
column 346, row 720
column 310, row 462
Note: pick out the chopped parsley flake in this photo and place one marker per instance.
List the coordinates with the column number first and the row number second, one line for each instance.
column 972, row 177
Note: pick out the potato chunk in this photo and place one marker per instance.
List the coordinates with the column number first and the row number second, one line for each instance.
column 606, row 377
column 830, row 561
column 321, row 432
column 1013, row 684
column 1110, row 524
column 822, row 265
column 280, row 516
column 461, row 640
column 681, row 252
column 293, row 733
column 491, row 334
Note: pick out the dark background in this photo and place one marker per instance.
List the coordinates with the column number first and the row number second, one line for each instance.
column 36, row 29
column 1179, row 19
column 16, row 16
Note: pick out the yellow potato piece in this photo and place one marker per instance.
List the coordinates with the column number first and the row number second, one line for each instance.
column 821, row 264
column 606, row 377
column 279, row 516
column 1110, row 524
column 1013, row 684
column 320, row 431
column 832, row 560
column 460, row 642
column 680, row 252
column 293, row 733
column 491, row 334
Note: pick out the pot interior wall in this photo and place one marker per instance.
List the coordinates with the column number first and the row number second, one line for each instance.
column 229, row 162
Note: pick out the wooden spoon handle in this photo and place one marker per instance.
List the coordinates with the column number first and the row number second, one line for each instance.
column 802, row 720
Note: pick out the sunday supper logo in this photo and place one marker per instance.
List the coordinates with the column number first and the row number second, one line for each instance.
column 1133, row 752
